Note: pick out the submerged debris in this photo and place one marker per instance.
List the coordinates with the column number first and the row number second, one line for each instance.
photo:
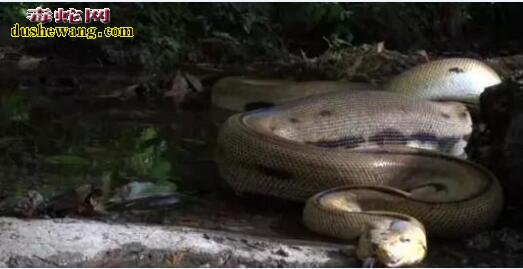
column 80, row 201
column 138, row 190
column 148, row 195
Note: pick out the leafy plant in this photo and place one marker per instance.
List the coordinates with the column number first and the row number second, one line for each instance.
column 125, row 157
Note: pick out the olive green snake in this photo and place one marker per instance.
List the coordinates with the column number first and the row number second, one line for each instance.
column 379, row 164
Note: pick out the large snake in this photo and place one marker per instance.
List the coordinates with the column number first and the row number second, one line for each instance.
column 378, row 165
column 449, row 79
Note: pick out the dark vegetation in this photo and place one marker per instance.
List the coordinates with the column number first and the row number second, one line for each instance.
column 172, row 33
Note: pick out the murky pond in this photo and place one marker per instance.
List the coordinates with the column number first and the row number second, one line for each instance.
column 146, row 162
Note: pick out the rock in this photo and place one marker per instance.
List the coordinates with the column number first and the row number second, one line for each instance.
column 80, row 243
column 502, row 112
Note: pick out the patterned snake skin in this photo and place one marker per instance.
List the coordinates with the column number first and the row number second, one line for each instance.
column 458, row 79
column 393, row 152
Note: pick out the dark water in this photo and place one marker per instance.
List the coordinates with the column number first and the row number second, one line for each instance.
column 56, row 144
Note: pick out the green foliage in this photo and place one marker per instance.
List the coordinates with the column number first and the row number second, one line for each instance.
column 131, row 155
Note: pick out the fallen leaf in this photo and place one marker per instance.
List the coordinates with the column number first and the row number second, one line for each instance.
column 195, row 82
column 79, row 201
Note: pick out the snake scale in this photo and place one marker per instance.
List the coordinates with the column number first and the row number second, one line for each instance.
column 383, row 165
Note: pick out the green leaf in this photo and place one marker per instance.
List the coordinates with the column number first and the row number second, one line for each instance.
column 148, row 134
column 160, row 170
column 68, row 160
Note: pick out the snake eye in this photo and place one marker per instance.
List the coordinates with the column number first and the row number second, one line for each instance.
column 405, row 240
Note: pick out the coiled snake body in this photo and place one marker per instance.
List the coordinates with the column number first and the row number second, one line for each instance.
column 378, row 165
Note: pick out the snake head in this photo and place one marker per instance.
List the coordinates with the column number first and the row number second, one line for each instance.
column 393, row 243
